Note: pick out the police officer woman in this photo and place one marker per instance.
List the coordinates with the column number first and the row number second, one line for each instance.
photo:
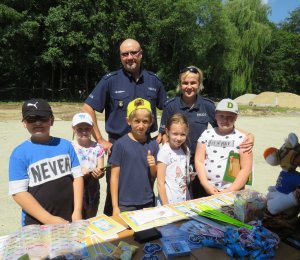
column 198, row 110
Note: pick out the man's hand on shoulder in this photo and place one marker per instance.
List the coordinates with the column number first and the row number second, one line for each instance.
column 248, row 143
column 106, row 145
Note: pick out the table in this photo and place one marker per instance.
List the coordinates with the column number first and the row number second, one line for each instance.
column 284, row 251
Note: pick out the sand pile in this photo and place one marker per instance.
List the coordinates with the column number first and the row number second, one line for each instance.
column 245, row 99
column 273, row 99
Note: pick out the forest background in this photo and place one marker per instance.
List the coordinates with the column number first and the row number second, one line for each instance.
column 59, row 49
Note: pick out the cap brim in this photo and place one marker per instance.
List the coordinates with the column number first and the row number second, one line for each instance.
column 37, row 113
column 82, row 122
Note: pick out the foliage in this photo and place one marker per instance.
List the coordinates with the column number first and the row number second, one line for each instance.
column 59, row 49
column 253, row 35
column 278, row 69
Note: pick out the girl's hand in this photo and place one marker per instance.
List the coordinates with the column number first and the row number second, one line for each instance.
column 211, row 190
column 192, row 177
column 226, row 190
column 85, row 171
column 192, row 173
column 150, row 159
column 76, row 216
column 116, row 211
column 98, row 173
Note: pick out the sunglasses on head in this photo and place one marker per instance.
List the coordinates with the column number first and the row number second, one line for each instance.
column 132, row 53
column 191, row 69
column 33, row 119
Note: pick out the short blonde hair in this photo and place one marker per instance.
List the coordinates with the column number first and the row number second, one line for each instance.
column 184, row 73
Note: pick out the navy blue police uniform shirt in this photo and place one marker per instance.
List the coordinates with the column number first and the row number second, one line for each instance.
column 116, row 89
column 198, row 116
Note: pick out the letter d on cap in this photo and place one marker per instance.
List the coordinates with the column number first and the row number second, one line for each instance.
column 229, row 105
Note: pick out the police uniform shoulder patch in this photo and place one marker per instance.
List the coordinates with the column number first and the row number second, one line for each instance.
column 108, row 75
column 208, row 100
column 170, row 100
column 153, row 74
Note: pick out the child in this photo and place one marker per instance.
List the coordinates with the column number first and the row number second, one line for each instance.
column 91, row 158
column 133, row 161
column 173, row 159
column 45, row 178
column 213, row 149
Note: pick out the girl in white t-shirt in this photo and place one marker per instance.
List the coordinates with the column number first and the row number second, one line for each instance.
column 214, row 148
column 91, row 158
column 173, row 159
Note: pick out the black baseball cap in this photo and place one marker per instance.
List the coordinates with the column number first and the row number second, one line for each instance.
column 36, row 107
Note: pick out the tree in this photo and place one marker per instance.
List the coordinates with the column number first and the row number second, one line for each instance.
column 184, row 33
column 278, row 68
column 18, row 36
column 292, row 23
column 254, row 34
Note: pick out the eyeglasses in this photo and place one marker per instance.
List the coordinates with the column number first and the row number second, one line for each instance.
column 191, row 69
column 33, row 119
column 132, row 53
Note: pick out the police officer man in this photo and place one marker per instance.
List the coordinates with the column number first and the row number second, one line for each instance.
column 113, row 93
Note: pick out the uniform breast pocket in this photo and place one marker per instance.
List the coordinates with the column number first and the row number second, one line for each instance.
column 201, row 120
column 151, row 97
column 151, row 94
column 120, row 100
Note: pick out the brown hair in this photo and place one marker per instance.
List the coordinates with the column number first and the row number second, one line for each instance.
column 178, row 118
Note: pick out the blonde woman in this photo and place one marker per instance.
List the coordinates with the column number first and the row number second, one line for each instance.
column 198, row 110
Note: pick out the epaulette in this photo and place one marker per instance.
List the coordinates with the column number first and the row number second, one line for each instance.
column 108, row 75
column 169, row 100
column 153, row 74
column 207, row 99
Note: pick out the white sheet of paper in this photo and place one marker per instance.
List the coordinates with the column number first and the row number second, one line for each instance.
column 144, row 216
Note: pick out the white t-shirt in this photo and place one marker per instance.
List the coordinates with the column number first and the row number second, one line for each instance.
column 176, row 173
column 217, row 152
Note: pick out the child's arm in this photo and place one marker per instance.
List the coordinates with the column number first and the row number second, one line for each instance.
column 98, row 172
column 78, row 198
column 114, row 188
column 246, row 160
column 161, row 178
column 199, row 164
column 29, row 204
column 152, row 164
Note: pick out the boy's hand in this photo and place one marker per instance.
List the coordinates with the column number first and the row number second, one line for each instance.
column 56, row 220
column 150, row 159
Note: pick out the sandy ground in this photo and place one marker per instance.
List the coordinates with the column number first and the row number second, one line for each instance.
column 268, row 131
